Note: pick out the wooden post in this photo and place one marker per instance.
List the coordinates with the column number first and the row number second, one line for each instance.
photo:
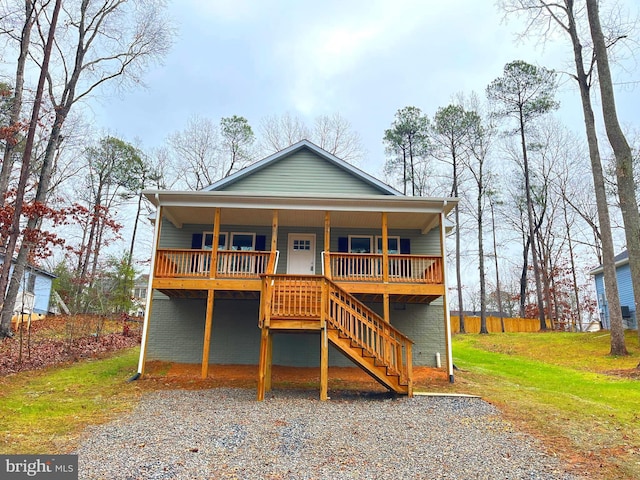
column 213, row 267
column 324, row 341
column 267, row 378
column 327, row 245
column 385, row 250
column 324, row 364
column 410, row 369
column 385, row 265
column 445, row 302
column 262, row 366
column 207, row 333
column 147, row 310
column 274, row 243
column 387, row 309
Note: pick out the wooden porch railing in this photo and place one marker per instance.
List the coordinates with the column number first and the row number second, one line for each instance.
column 190, row 263
column 316, row 297
column 367, row 267
column 369, row 331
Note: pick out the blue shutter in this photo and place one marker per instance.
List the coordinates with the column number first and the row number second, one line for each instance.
column 405, row 246
column 261, row 243
column 196, row 240
column 343, row 244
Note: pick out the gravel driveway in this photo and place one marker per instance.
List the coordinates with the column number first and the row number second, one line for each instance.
column 226, row 433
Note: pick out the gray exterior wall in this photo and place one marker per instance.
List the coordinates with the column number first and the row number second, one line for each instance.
column 176, row 328
column 303, row 171
column 172, row 237
column 176, row 333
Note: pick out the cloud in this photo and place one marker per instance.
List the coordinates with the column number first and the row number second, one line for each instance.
column 338, row 44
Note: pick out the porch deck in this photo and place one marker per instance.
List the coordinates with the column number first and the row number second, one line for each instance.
column 406, row 278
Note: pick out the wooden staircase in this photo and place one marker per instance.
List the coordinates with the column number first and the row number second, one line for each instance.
column 304, row 303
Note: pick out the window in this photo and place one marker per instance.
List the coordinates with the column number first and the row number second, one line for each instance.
column 31, row 282
column 393, row 244
column 301, row 245
column 243, row 241
column 360, row 244
column 207, row 241
column 140, row 292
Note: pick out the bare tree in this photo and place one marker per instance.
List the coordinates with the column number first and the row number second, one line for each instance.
column 333, row 133
column 98, row 43
column 14, row 230
column 195, row 153
column 624, row 167
column 546, row 16
column 278, row 132
column 24, row 23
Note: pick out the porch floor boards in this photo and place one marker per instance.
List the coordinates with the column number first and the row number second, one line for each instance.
column 253, row 295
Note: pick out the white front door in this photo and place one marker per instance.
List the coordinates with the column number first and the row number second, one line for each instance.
column 301, row 254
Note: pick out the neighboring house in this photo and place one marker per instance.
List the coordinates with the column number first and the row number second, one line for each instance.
column 35, row 290
column 139, row 295
column 316, row 263
column 625, row 292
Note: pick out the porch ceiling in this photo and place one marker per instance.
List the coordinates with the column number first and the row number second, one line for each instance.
column 301, row 211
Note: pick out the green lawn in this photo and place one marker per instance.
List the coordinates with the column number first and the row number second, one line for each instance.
column 555, row 385
column 45, row 411
column 558, row 386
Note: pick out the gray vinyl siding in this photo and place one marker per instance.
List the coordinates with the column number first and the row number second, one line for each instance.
column 303, row 171
column 172, row 237
column 428, row 244
column 176, row 333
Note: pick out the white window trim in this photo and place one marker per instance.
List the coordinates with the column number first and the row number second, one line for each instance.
column 226, row 239
column 397, row 237
column 253, row 241
column 370, row 237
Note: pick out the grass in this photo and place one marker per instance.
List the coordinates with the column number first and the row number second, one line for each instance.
column 45, row 411
column 559, row 386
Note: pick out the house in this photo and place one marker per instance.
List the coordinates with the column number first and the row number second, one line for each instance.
column 300, row 259
column 625, row 292
column 35, row 290
column 139, row 295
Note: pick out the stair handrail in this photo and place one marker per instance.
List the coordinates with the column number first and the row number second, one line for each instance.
column 382, row 341
column 385, row 343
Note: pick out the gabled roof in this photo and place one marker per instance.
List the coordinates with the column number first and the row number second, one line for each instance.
column 621, row 259
column 30, row 267
column 296, row 147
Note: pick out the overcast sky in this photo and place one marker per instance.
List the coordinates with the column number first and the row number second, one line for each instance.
column 363, row 59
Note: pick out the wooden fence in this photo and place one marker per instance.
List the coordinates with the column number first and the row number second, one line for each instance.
column 472, row 324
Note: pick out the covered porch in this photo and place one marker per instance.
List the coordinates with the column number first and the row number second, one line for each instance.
column 330, row 232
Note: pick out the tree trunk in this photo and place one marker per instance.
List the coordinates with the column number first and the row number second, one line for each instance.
column 577, row 318
column 483, row 286
column 532, row 243
column 16, row 107
column 458, row 272
column 9, row 298
column 624, row 170
column 523, row 275
column 135, row 229
column 495, row 256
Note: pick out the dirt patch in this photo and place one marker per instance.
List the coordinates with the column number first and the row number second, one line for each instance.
column 60, row 340
column 632, row 373
column 180, row 375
